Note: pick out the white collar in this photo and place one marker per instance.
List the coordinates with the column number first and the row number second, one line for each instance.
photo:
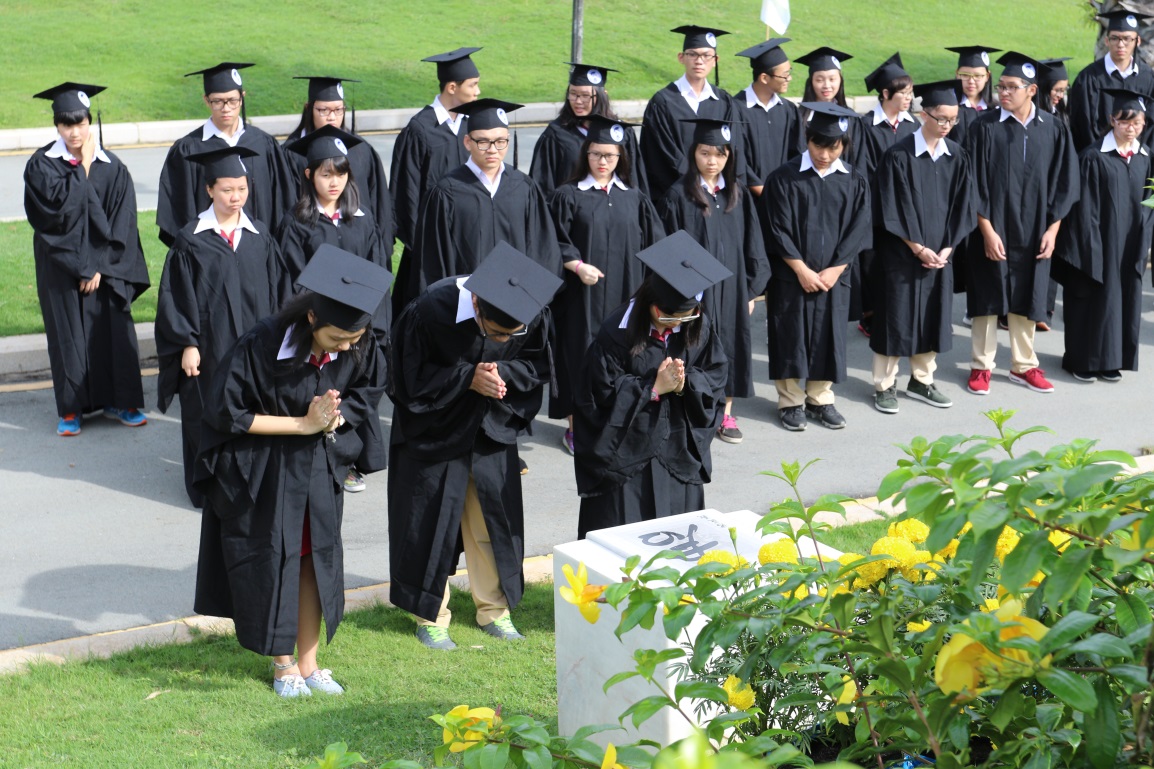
column 682, row 85
column 1006, row 115
column 208, row 221
column 629, row 310
column 321, row 208
column 921, row 148
column 807, row 164
column 752, row 101
column 464, row 302
column 491, row 186
column 60, row 150
column 589, row 183
column 444, row 116
column 707, row 188
column 981, row 105
column 1111, row 67
column 287, row 352
column 881, row 117
column 1110, row 144
column 210, row 130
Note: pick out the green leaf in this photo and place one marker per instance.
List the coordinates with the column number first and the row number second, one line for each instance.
column 1068, row 571
column 642, row 710
column 1134, row 675
column 587, row 731
column 637, row 613
column 495, row 756
column 1008, row 707
column 1131, row 613
column 678, row 619
column 1067, row 629
column 1070, row 688
column 1103, row 737
column 981, row 556
column 537, row 757
column 895, row 671
column 700, row 690
column 618, row 678
column 1103, row 645
column 893, row 482
column 1023, row 561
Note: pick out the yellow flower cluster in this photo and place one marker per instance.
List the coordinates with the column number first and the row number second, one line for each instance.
column 610, row 760
column 730, row 559
column 740, row 693
column 580, row 593
column 1007, row 541
column 967, row 668
column 1060, row 539
column 848, row 695
column 779, row 551
column 465, row 735
column 915, row 626
column 911, row 528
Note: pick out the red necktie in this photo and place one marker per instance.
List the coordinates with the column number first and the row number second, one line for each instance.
column 661, row 336
column 604, row 189
column 318, row 363
column 230, row 238
column 716, row 190
column 1127, row 155
column 74, row 162
column 979, row 109
column 336, row 217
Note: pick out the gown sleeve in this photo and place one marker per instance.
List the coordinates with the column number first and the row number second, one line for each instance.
column 177, row 319
column 56, row 201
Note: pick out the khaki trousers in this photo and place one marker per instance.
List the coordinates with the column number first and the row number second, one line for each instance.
column 922, row 367
column 484, row 581
column 816, row 393
column 984, row 343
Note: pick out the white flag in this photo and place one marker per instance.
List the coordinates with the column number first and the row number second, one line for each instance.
column 775, row 15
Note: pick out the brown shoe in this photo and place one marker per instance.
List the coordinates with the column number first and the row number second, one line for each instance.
column 1042, row 326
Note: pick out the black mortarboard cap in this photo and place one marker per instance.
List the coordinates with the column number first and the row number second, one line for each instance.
column 1124, row 98
column 765, row 56
column 699, row 37
column 829, row 119
column 326, row 142
column 325, row 87
column 347, row 288
column 455, row 66
column 685, row 268
column 603, row 130
column 886, row 73
column 487, row 113
column 710, row 132
column 943, row 93
column 1123, row 20
column 588, row 74
column 222, row 78
column 70, row 97
column 513, row 283
column 973, row 55
column 1055, row 69
column 1020, row 65
column 223, row 163
column 823, row 59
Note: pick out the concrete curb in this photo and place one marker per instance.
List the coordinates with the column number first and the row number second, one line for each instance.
column 26, row 356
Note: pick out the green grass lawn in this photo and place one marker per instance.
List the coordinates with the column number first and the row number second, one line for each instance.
column 140, row 49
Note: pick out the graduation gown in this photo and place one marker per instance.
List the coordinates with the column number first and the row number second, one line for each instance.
column 639, row 459
column 1101, row 259
column 928, row 202
column 769, row 137
column 556, row 154
column 272, row 188
column 825, row 223
column 966, row 116
column 424, row 152
column 1090, row 107
column 209, row 296
column 1027, row 179
column 444, row 433
column 85, row 224
column 665, row 138
column 606, row 231
column 259, row 487
column 734, row 238
column 461, row 223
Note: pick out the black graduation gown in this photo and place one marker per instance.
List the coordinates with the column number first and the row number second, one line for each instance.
column 272, row 188
column 358, row 235
column 84, row 224
column 1021, row 196
column 734, row 238
column 606, row 231
column 461, row 223
column 555, row 158
column 769, row 137
column 825, row 223
column 966, row 116
column 209, row 296
column 1101, row 259
column 928, row 202
column 424, row 152
column 665, row 138
column 1090, row 107
column 443, row 433
column 259, row 487
column 639, row 459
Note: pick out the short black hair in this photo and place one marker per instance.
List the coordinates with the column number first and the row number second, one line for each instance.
column 495, row 315
column 828, row 142
column 72, row 117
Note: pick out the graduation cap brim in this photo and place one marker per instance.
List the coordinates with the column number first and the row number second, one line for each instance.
column 1125, row 99
column 70, row 97
column 712, row 133
column 513, row 283
column 223, row 77
column 588, row 74
column 326, row 142
column 348, row 288
column 765, row 56
column 698, row 37
column 823, row 59
column 1123, row 20
column 1020, row 65
column 829, row 119
column 487, row 113
column 973, row 55
column 684, row 266
column 888, row 71
column 223, row 163
column 942, row 93
column 603, row 130
column 455, row 66
column 326, row 87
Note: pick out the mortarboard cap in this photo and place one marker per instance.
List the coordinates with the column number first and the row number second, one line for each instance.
column 710, row 132
column 823, row 59
column 684, row 268
column 765, row 56
column 223, row 163
column 973, row 55
column 325, row 87
column 829, row 119
column 513, row 283
column 1020, row 65
column 326, row 142
column 886, row 73
column 1125, row 99
column 588, row 74
column 1055, row 69
column 603, row 130
column 487, row 113
column 347, row 288
column 222, row 78
column 699, row 37
column 70, row 97
column 455, row 66
column 1123, row 20
column 943, row 93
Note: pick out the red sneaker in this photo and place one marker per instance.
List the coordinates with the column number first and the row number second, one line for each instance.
column 1035, row 379
column 979, row 383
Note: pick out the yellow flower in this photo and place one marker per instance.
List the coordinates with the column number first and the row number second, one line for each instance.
column 1132, row 539
column 740, row 693
column 1033, row 584
column 910, row 568
column 1060, row 540
column 1007, row 541
column 610, row 760
column 967, row 668
column 465, row 736
column 580, row 593
column 914, row 626
column 949, row 551
column 991, row 605
column 779, row 551
column 911, row 528
column 848, row 695
column 900, row 550
column 733, row 561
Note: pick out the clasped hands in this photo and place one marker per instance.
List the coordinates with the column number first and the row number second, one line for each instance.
column 324, row 414
column 670, row 376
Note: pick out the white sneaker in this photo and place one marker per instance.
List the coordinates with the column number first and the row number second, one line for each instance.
column 322, row 681
column 292, row 685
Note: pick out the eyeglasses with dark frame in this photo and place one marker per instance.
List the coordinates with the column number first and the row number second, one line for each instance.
column 485, row 144
column 1007, row 88
column 580, row 98
column 973, row 77
column 786, row 76
column 941, row 121
column 494, row 335
column 330, row 111
column 1116, row 39
column 232, row 103
column 697, row 56
column 604, row 157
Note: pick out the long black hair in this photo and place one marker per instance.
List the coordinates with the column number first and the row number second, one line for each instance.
column 811, row 94
column 691, row 181
column 307, row 211
column 1042, row 101
column 306, row 125
column 637, row 329
column 581, row 168
column 986, row 94
column 568, row 119
column 294, row 316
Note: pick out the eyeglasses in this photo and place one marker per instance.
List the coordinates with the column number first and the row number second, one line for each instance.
column 972, row 77
column 695, row 56
column 941, row 121
column 669, row 321
column 1004, row 88
column 232, row 103
column 485, row 144
column 1120, row 39
column 1059, row 92
column 786, row 76
column 330, row 111
column 496, row 335
column 604, row 157
column 580, row 98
